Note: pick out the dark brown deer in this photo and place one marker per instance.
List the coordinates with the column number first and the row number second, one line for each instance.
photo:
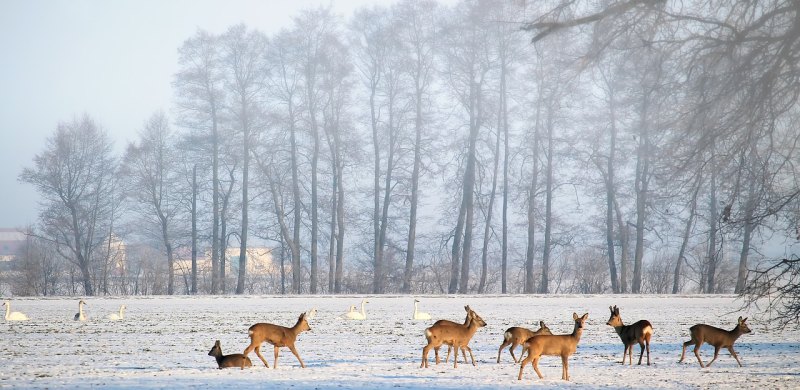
column 229, row 361
column 562, row 345
column 640, row 332
column 717, row 337
column 278, row 336
column 516, row 336
column 456, row 335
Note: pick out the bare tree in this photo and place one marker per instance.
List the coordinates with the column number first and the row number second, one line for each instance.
column 149, row 168
column 243, row 63
column 73, row 175
column 198, row 85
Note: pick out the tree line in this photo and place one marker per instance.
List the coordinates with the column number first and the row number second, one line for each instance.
column 487, row 147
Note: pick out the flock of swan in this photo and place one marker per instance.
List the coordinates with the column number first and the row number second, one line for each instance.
column 351, row 314
column 79, row 316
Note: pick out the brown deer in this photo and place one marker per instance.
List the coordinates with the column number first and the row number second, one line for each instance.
column 456, row 335
column 516, row 336
column 450, row 346
column 278, row 336
column 640, row 332
column 717, row 337
column 229, row 361
column 562, row 345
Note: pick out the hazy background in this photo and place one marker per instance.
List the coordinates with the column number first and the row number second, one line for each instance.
column 111, row 59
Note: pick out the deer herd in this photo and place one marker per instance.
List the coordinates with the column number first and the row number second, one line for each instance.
column 458, row 335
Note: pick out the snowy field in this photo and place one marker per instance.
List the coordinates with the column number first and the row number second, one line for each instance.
column 164, row 341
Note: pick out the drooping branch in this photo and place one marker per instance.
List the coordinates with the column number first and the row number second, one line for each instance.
column 777, row 286
column 543, row 28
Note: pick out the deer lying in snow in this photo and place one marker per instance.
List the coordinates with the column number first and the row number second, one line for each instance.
column 456, row 335
column 278, row 336
column 717, row 337
column 229, row 361
column 640, row 332
column 516, row 336
column 562, row 345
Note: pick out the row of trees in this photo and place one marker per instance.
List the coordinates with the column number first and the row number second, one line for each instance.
column 638, row 148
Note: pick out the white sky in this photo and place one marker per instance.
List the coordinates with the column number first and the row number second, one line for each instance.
column 112, row 59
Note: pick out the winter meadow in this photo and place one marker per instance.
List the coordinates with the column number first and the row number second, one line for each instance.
column 527, row 159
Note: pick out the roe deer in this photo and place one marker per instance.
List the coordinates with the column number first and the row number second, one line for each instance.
column 450, row 346
column 278, row 336
column 640, row 332
column 717, row 337
column 562, row 345
column 516, row 336
column 456, row 335
column 229, row 361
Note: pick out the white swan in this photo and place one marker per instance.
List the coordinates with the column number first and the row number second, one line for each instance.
column 311, row 313
column 15, row 315
column 354, row 315
column 118, row 316
column 418, row 315
column 80, row 315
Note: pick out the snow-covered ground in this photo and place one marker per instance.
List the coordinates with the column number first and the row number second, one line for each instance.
column 164, row 341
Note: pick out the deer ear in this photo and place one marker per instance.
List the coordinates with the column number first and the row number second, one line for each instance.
column 616, row 310
column 541, row 324
column 740, row 319
column 585, row 316
column 574, row 316
column 612, row 309
column 216, row 344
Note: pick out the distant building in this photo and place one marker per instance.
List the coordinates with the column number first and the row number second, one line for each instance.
column 11, row 243
column 259, row 261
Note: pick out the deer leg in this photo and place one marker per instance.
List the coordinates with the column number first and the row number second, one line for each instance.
column 258, row 352
column 641, row 353
column 455, row 356
column 536, row 367
column 436, row 352
column 522, row 366
column 565, row 367
column 624, row 352
column 471, row 356
column 294, row 351
column 447, row 358
column 683, row 352
column 733, row 353
column 511, row 349
column 716, row 352
column 499, row 351
column 275, row 365
column 425, row 351
column 647, row 343
column 697, row 353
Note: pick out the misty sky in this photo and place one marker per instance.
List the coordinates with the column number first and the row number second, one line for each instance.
column 113, row 60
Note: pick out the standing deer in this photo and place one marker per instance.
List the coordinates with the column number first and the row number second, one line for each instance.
column 516, row 336
column 640, row 332
column 278, row 336
column 450, row 346
column 717, row 337
column 562, row 345
column 229, row 361
column 456, row 335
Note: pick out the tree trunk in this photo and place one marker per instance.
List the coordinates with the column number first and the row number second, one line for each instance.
column 531, row 247
column 194, row 230
column 332, row 240
column 686, row 232
column 712, row 233
column 610, row 196
column 294, row 241
column 642, row 179
column 412, row 223
column 245, row 203
column 488, row 227
column 548, row 208
column 376, row 188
